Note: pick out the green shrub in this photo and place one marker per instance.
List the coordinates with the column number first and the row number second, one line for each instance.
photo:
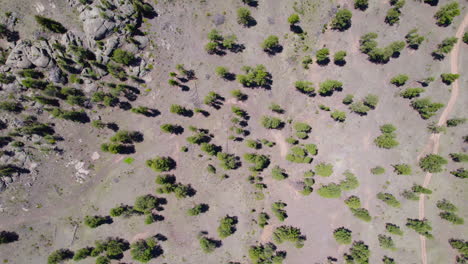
column 207, row 245
column 324, row 169
column 197, row 209
column 271, row 44
column 393, row 229
column 446, row 13
column 461, row 246
column 180, row 110
column 342, row 235
column 389, row 199
column 96, row 220
column 222, row 72
column 339, row 57
column 327, row 87
column 386, row 242
column 123, row 57
column 290, row 234
column 342, row 20
column 305, row 87
column 460, row 173
column 445, row 205
column 432, row 163
column 445, row 47
column 102, row 260
column 353, row 202
column 448, row 78
column 399, row 80
column 421, row 227
column 146, row 203
column 362, row 214
column 413, row 39
column 254, row 76
column 371, row 100
column 243, row 17
column 339, row 116
column 260, row 161
column 270, row 122
column 145, row 250
column 359, row 253
column 348, row 99
column 239, row 95
column 276, row 108
column 359, row 108
column 425, row 107
column 453, row 122
column 82, row 253
column 459, row 157
column 361, row 4
column 227, row 226
column 393, row 16
column 322, row 56
column 263, row 254
column 293, row 19
column 377, row 170
column 350, row 182
column 278, row 173
column 278, row 210
column 452, row 217
column 302, row 127
column 228, row 161
column 263, row 219
column 306, row 61
column 331, row 190
column 420, row 189
column 411, row 93
column 59, row 256
column 160, row 164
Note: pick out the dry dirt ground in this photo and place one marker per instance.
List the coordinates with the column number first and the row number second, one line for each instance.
column 45, row 214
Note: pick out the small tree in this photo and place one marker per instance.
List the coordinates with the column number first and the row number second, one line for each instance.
column 339, row 116
column 145, row 250
column 243, row 17
column 432, row 163
column 361, row 4
column 449, row 78
column 272, row 122
column 386, row 242
column 322, row 56
column 123, row 57
column 160, row 164
column 50, row 24
column 353, row 202
column 59, row 256
column 399, row 80
column 339, row 58
column 331, row 190
column 342, row 20
column 324, row 169
column 329, row 86
column 342, row 235
column 227, row 226
column 447, row 13
column 305, row 87
column 208, row 245
column 393, row 229
column 293, row 19
column 271, row 44
column 413, row 39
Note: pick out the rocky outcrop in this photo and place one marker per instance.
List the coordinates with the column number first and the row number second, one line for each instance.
column 27, row 54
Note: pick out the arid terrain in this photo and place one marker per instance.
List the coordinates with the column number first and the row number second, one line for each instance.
column 137, row 122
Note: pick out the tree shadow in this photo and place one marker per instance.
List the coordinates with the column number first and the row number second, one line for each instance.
column 8, row 237
column 274, row 50
column 296, row 29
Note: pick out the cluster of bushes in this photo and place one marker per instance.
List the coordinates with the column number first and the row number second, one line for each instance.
column 218, row 43
column 290, row 234
column 278, row 210
column 254, row 76
column 353, row 202
column 342, row 20
column 369, row 46
column 449, row 78
column 462, row 247
column 324, row 169
column 460, row 173
column 425, row 107
column 227, row 226
column 122, row 142
column 413, row 39
column 449, row 212
column 260, row 161
column 387, row 139
column 361, row 4
column 365, row 105
column 358, row 253
column 198, row 209
column 422, row 227
column 96, row 220
column 214, row 100
column 228, row 161
column 402, row 169
column 263, row 219
column 389, row 199
column 445, row 47
column 342, row 235
column 271, row 45
column 329, row 86
column 271, row 122
column 331, row 190
column 447, row 13
column 386, row 242
column 278, row 173
column 145, row 250
column 168, row 184
column 362, row 214
column 161, row 164
column 308, row 182
column 299, row 154
column 267, row 253
column 305, row 87
column 208, row 245
column 410, row 93
column 432, row 163
column 350, row 182
column 393, row 14
column 302, row 130
column 393, row 229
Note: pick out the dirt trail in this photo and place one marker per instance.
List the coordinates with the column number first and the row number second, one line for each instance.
column 281, row 141
column 434, row 140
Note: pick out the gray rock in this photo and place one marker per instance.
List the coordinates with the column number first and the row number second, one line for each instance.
column 7, row 179
column 18, row 57
column 56, row 75
column 142, row 40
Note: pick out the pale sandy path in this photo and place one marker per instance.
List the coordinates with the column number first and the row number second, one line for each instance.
column 435, row 138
